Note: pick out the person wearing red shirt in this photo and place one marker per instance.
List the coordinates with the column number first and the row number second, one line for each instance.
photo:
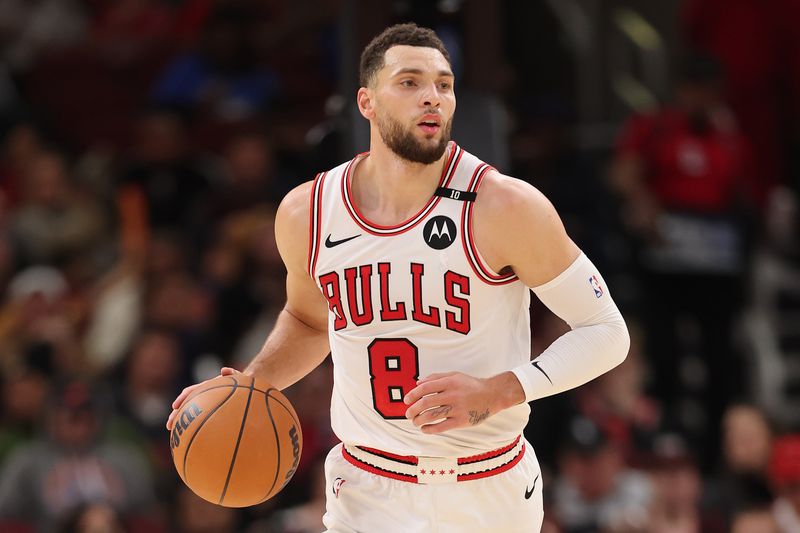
column 682, row 173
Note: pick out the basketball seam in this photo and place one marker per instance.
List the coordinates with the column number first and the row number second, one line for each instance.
column 238, row 441
column 234, row 385
column 294, row 419
column 282, row 405
column 202, row 422
column 277, row 440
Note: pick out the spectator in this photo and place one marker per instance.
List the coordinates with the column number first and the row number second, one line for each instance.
column 93, row 518
column 784, row 473
column 756, row 520
column 751, row 39
column 595, row 491
column 55, row 224
column 164, row 186
column 678, row 505
column 21, row 144
column 72, row 466
column 742, row 477
column 682, row 175
column 222, row 78
column 250, row 180
column 150, row 382
column 38, row 311
column 25, row 388
column 31, row 27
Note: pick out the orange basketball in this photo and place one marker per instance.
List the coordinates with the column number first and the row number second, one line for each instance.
column 236, row 441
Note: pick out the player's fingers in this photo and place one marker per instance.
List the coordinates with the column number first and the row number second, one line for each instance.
column 439, row 427
column 436, row 376
column 423, row 389
column 171, row 419
column 176, row 404
column 425, row 403
column 432, row 415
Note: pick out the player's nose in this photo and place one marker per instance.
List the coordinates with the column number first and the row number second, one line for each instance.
column 430, row 96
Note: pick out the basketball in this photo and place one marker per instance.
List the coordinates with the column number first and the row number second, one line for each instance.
column 236, row 441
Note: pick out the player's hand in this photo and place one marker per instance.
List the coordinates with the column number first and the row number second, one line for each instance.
column 451, row 400
column 185, row 393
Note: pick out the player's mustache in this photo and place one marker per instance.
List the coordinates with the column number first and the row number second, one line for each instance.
column 431, row 111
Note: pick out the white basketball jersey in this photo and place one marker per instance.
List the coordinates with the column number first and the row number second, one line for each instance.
column 410, row 300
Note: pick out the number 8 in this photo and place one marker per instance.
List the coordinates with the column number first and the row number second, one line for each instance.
column 393, row 370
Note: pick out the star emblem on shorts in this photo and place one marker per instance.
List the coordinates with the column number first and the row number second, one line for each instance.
column 441, row 472
column 423, row 471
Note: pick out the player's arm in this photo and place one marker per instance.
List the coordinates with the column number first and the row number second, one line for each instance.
column 299, row 341
column 544, row 257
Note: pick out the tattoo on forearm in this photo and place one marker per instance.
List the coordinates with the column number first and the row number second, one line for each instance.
column 441, row 411
column 476, row 418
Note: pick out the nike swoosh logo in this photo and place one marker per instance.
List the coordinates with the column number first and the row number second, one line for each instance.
column 537, row 367
column 330, row 244
column 529, row 493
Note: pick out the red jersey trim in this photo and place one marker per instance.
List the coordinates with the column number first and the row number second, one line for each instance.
column 481, row 270
column 375, row 470
column 493, row 472
column 315, row 223
column 407, row 459
column 488, row 455
column 374, row 229
column 412, row 460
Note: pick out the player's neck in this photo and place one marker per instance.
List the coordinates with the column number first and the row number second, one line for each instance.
column 389, row 189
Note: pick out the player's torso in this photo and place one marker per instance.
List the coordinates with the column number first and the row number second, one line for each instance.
column 408, row 301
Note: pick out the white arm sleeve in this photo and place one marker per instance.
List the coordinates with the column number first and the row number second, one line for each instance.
column 598, row 341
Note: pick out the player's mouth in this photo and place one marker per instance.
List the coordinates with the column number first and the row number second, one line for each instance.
column 430, row 124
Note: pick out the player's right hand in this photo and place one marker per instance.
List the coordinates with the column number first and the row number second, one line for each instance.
column 185, row 393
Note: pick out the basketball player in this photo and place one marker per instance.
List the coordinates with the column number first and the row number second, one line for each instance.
column 411, row 264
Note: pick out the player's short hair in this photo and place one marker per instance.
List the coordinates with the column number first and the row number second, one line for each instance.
column 372, row 58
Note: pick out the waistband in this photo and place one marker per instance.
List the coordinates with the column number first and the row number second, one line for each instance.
column 428, row 470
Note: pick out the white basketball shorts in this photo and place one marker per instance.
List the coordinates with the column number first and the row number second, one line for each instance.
column 369, row 491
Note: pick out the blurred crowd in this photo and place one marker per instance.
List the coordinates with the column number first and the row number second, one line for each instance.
column 145, row 145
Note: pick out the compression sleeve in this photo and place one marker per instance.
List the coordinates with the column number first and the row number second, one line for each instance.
column 597, row 342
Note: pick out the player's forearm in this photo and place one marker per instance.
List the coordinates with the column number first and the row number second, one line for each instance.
column 575, row 358
column 506, row 390
column 291, row 351
column 598, row 342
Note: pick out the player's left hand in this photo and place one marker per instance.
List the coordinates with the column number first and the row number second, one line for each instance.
column 451, row 400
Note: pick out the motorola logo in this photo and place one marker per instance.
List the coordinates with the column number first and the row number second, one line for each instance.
column 439, row 232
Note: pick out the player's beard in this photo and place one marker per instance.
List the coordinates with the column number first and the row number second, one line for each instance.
column 403, row 143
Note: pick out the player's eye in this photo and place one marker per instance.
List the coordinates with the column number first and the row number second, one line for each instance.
column 445, row 85
column 407, row 83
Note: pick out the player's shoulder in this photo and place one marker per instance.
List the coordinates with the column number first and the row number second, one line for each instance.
column 506, row 198
column 296, row 205
column 291, row 225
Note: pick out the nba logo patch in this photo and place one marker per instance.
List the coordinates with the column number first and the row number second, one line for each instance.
column 595, row 283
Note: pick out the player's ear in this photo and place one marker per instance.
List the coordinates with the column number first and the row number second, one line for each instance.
column 364, row 99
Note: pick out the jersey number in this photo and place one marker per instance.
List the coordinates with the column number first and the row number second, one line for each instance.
column 393, row 370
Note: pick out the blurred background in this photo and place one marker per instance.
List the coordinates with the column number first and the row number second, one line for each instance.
column 145, row 144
